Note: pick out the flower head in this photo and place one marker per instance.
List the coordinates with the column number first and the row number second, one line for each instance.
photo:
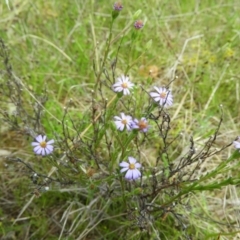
column 138, row 24
column 131, row 168
column 163, row 96
column 123, row 85
column 123, row 121
column 41, row 147
column 141, row 124
column 117, row 6
column 237, row 144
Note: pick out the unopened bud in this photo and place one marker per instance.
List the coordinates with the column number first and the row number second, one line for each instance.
column 117, row 6
column 138, row 24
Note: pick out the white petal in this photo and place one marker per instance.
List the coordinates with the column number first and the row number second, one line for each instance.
column 136, row 174
column 118, row 89
column 49, row 148
column 124, row 164
column 162, row 101
column 39, row 138
column 121, row 127
column 35, row 143
column 132, row 160
column 118, row 84
column 159, row 90
column 236, row 144
column 129, row 118
column 120, row 79
column 124, row 169
column 128, row 127
column 124, row 78
column 43, row 152
column 157, row 99
column 118, row 123
column 129, row 175
column 138, row 165
column 38, row 150
column 154, row 94
column 50, row 142
column 122, row 116
column 117, row 118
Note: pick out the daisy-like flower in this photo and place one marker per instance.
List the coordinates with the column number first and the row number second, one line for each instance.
column 123, row 121
column 141, row 124
column 163, row 96
column 41, row 147
column 237, row 144
column 123, row 85
column 131, row 168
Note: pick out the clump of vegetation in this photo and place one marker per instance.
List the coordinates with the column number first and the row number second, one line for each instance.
column 103, row 138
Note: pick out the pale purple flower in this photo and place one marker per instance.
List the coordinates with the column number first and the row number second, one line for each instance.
column 123, row 121
column 123, row 85
column 131, row 168
column 138, row 24
column 41, row 147
column 237, row 144
column 117, row 6
column 163, row 96
column 141, row 124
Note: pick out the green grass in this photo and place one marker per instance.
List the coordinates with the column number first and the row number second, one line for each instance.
column 60, row 51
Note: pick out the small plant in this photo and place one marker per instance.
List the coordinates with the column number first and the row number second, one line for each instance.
column 132, row 174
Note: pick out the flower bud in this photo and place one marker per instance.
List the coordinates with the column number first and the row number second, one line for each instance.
column 138, row 24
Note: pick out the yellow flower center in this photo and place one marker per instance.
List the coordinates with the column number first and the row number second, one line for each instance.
column 43, row 144
column 163, row 95
column 124, row 121
column 142, row 124
column 124, row 85
column 131, row 166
